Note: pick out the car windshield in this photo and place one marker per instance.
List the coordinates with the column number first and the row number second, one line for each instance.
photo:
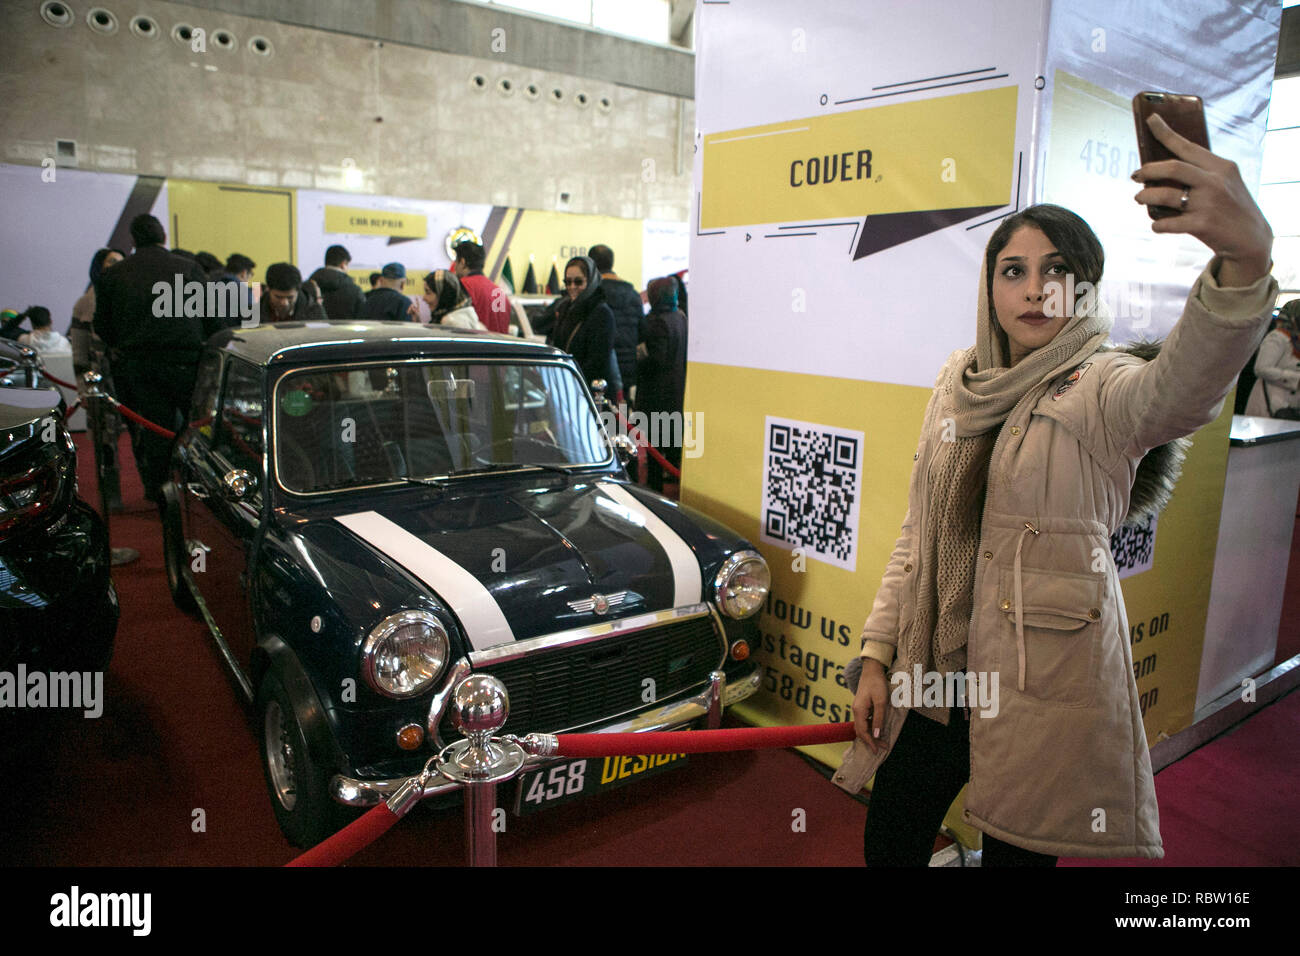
column 358, row 425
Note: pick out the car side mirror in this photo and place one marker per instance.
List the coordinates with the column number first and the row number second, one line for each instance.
column 239, row 484
column 598, row 386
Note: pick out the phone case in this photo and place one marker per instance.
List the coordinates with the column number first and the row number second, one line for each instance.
column 1185, row 114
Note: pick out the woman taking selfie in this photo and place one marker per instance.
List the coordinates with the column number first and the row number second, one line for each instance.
column 1003, row 571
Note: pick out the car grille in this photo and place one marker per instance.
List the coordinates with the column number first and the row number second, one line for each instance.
column 571, row 687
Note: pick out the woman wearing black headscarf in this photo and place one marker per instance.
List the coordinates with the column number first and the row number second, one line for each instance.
column 585, row 328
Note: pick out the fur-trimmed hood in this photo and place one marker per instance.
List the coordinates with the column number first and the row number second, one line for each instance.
column 1162, row 466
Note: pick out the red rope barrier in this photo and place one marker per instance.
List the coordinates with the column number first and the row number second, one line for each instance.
column 141, row 420
column 636, row 435
column 58, row 381
column 349, row 841
column 700, row 741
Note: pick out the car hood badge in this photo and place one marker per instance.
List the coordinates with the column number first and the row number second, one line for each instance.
column 600, row 603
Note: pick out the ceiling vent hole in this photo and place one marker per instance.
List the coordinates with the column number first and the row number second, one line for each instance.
column 57, row 14
column 224, row 39
column 261, row 46
column 144, row 27
column 505, row 87
column 101, row 20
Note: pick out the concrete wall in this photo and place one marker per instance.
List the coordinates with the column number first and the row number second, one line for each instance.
column 335, row 110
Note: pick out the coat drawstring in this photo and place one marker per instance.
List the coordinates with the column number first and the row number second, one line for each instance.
column 1020, row 612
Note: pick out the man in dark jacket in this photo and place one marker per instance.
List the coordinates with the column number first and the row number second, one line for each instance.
column 154, row 346
column 340, row 295
column 387, row 301
column 625, row 302
column 284, row 299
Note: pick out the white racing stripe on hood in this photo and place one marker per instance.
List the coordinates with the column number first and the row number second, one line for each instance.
column 688, row 586
column 485, row 625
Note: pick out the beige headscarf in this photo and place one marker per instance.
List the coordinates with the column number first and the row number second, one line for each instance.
column 988, row 388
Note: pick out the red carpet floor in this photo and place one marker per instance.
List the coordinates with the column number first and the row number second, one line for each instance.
column 170, row 775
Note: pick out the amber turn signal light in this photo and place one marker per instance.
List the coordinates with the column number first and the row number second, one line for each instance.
column 410, row 737
column 739, row 651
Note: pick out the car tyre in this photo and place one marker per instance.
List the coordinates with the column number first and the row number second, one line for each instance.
column 174, row 556
column 297, row 785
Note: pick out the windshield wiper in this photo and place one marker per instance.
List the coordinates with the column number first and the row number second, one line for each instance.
column 426, row 482
column 491, row 466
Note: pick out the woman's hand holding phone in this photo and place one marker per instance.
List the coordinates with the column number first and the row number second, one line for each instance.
column 1219, row 210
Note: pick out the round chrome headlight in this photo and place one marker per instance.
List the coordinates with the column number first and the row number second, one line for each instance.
column 405, row 653
column 742, row 584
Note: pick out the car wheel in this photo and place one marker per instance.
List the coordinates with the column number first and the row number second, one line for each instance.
column 298, row 787
column 174, row 557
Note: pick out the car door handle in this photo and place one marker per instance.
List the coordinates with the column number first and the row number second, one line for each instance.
column 197, row 490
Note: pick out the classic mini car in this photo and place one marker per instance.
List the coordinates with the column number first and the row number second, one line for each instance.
column 58, row 608
column 366, row 513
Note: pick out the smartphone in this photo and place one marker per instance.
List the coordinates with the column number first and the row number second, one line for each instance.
column 1185, row 115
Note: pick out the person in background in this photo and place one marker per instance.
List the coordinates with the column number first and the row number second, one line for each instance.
column 1277, row 368
column 490, row 301
column 88, row 354
column 340, row 295
column 661, row 369
column 210, row 264
column 284, row 299
column 374, row 284
column 585, row 327
column 11, row 324
column 42, row 337
column 387, row 302
column 449, row 304
column 625, row 302
column 239, row 267
column 154, row 358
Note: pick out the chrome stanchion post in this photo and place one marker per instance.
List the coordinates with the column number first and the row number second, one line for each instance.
column 479, row 707
column 96, row 397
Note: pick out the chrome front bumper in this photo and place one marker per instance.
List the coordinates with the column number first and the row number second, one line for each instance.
column 707, row 705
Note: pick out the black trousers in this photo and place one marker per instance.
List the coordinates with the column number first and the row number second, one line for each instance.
column 159, row 391
column 927, row 768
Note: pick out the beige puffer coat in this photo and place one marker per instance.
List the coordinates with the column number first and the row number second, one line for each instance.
column 1063, row 768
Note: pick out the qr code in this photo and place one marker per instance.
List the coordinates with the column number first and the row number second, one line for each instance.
column 811, row 480
column 1134, row 547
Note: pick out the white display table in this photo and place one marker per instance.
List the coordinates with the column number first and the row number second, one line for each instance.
column 1250, row 563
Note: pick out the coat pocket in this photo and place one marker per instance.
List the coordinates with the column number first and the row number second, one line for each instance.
column 1062, row 623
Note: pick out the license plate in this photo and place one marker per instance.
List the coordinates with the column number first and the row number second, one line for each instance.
column 577, row 778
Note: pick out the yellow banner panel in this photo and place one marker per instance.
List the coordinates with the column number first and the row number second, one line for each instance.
column 950, row 152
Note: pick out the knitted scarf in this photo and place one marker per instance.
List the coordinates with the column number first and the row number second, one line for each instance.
column 976, row 398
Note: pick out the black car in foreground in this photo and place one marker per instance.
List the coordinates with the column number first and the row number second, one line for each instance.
column 366, row 513
column 58, row 608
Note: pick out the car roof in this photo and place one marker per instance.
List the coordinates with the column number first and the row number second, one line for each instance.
column 297, row 343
